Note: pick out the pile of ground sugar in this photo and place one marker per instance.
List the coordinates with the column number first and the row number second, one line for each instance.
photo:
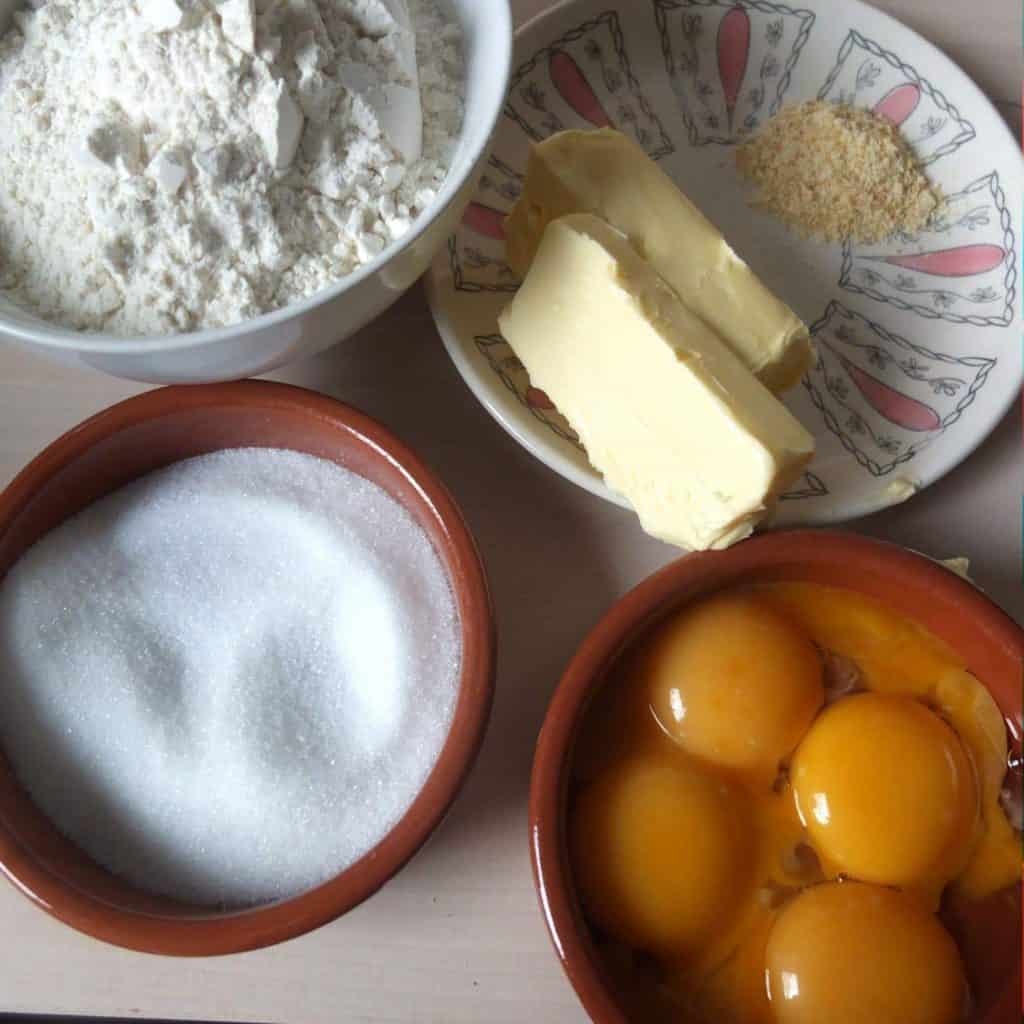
column 170, row 165
column 228, row 680
column 838, row 172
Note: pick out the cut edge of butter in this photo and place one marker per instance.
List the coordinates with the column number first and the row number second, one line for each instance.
column 900, row 489
column 605, row 173
column 667, row 413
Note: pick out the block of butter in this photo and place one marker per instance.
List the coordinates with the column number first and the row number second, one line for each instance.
column 667, row 412
column 605, row 173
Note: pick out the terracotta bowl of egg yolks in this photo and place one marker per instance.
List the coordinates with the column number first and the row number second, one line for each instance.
column 151, row 431
column 910, row 585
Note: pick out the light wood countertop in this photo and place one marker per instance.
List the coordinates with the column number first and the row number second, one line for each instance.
column 457, row 938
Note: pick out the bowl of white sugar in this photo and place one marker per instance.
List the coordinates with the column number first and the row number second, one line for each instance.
column 205, row 191
column 246, row 663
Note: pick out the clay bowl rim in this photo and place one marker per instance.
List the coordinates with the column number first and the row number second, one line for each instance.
column 162, row 926
column 779, row 555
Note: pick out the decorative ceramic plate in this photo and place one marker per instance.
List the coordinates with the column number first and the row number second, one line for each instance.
column 918, row 338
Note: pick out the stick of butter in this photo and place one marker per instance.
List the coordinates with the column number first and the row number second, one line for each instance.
column 605, row 173
column 670, row 416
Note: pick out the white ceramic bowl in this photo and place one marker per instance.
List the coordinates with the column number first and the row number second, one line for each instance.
column 258, row 345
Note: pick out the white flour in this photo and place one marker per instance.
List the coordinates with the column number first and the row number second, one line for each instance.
column 170, row 165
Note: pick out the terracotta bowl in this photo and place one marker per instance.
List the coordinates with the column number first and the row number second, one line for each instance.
column 151, row 431
column 954, row 610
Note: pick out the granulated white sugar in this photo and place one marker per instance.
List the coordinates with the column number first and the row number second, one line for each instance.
column 228, row 680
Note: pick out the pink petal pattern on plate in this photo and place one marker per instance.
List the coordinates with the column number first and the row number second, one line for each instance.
column 887, row 398
column 868, row 75
column 476, row 252
column 899, row 103
column 895, row 406
column 573, row 87
column 962, row 261
column 504, row 362
column 733, row 55
column 959, row 268
column 485, row 220
column 730, row 62
column 584, row 79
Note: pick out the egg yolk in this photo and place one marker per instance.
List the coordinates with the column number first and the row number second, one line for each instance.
column 735, row 683
column 661, row 854
column 734, row 991
column 886, row 792
column 849, row 953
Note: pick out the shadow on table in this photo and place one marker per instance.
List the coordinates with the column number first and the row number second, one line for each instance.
column 980, row 503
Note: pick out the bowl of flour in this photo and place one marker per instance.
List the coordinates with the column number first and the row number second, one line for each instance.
column 248, row 656
column 202, row 190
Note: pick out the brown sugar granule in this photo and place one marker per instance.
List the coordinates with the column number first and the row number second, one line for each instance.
column 838, row 172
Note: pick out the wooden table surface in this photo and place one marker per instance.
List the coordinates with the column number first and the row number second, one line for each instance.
column 457, row 937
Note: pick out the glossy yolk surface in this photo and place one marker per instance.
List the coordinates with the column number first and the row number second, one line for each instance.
column 898, row 656
column 661, row 853
column 732, row 992
column 734, row 683
column 887, row 793
column 894, row 654
column 709, row 966
column 722, row 979
column 723, row 982
column 618, row 727
column 996, row 860
column 849, row 953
